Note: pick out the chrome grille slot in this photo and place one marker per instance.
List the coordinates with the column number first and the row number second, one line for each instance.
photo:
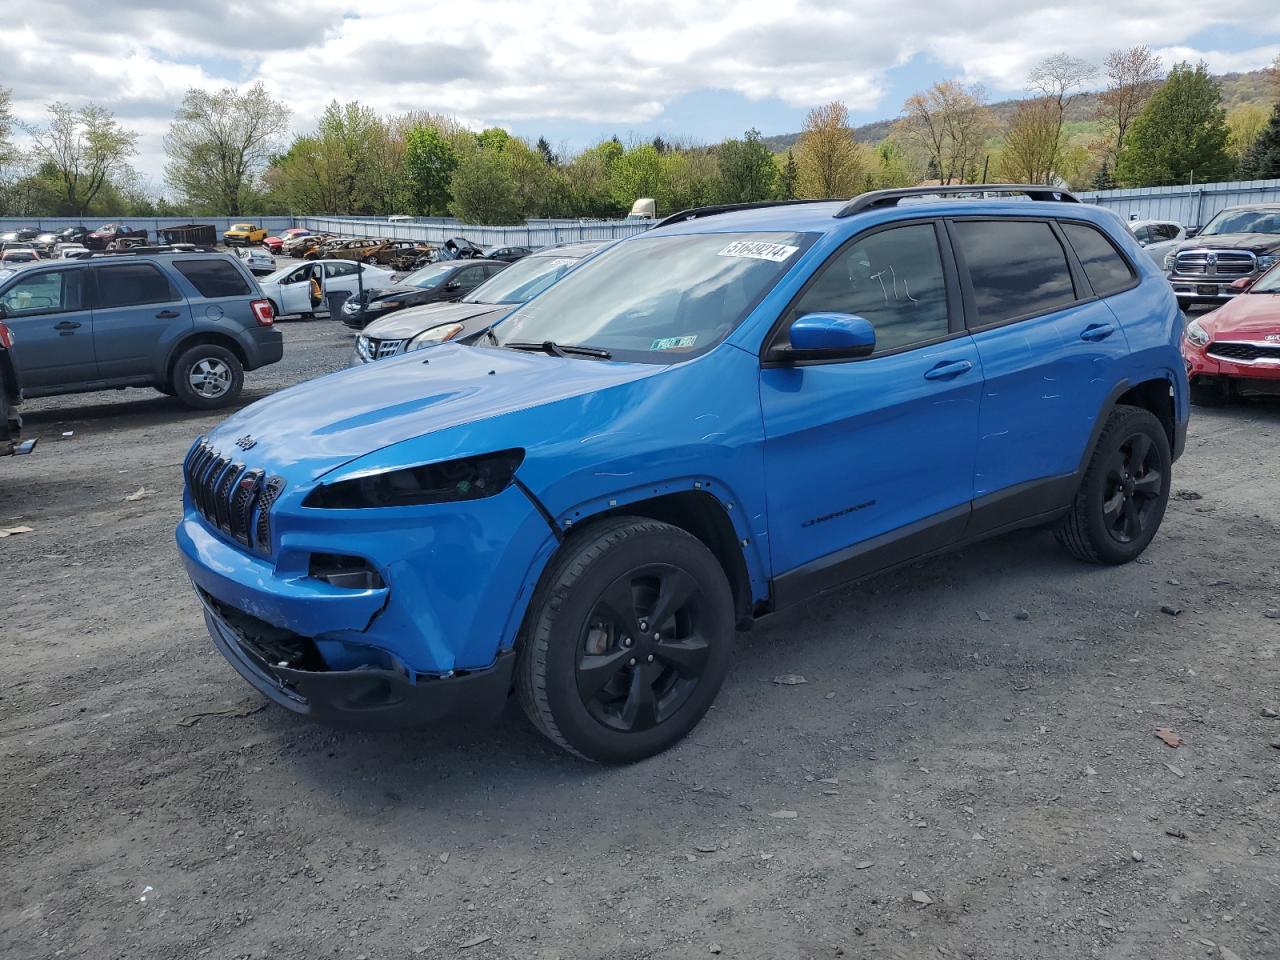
column 381, row 349
column 1226, row 264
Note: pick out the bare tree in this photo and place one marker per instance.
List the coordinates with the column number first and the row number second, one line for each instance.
column 85, row 148
column 948, row 123
column 220, row 143
column 831, row 163
column 1132, row 76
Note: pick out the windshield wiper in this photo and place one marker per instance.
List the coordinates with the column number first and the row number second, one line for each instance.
column 563, row 349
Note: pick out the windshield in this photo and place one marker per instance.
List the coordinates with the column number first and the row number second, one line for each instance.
column 1269, row 282
column 658, row 299
column 429, row 276
column 1243, row 221
column 518, row 283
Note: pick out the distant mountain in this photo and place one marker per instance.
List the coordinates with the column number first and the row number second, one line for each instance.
column 1237, row 88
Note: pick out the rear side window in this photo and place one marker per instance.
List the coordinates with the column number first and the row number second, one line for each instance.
column 1107, row 271
column 132, row 283
column 1017, row 268
column 213, row 278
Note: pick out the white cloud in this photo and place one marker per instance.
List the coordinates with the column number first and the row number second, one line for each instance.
column 615, row 62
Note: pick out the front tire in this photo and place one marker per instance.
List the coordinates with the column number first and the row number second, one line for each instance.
column 627, row 640
column 207, row 376
column 1125, row 490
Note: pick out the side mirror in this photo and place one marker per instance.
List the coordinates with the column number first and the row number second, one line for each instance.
column 1192, row 231
column 1243, row 284
column 830, row 336
column 453, row 285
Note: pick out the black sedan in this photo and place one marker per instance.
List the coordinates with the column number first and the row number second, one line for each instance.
column 74, row 235
column 434, row 283
column 509, row 254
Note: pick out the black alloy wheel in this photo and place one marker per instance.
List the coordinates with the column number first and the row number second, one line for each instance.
column 1133, row 484
column 642, row 650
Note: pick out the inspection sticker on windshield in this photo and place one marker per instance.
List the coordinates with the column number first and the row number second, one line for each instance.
column 758, row 250
column 674, row 343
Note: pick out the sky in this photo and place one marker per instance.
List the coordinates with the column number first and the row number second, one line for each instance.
column 578, row 72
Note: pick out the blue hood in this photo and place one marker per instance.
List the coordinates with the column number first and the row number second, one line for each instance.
column 319, row 425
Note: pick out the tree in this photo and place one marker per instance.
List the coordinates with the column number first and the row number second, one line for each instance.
column 1132, row 76
column 1031, row 145
column 483, row 189
column 1102, row 180
column 84, row 149
column 221, row 143
column 1181, row 133
column 548, row 155
column 948, row 123
column 1262, row 160
column 747, row 170
column 1244, row 124
column 788, row 177
column 429, row 162
column 830, row 163
column 586, row 181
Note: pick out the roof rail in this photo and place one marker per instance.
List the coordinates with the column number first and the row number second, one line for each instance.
column 149, row 251
column 709, row 211
column 890, row 198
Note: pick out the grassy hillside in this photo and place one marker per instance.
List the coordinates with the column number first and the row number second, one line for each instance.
column 1237, row 88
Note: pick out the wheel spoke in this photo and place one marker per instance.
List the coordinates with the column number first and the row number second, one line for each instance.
column 1132, row 519
column 1139, row 448
column 1112, row 507
column 641, row 708
column 619, row 602
column 674, row 591
column 687, row 656
column 594, row 671
column 1150, row 483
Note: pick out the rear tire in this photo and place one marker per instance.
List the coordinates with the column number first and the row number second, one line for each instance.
column 594, row 673
column 1125, row 490
column 207, row 376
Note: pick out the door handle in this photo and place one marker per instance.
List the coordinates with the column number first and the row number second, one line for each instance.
column 948, row 369
column 1097, row 331
column 66, row 325
column 167, row 315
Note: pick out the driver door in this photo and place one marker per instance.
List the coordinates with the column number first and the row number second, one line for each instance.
column 870, row 462
column 48, row 312
column 295, row 289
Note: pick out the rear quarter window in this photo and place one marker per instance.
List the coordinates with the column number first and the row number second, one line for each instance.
column 1107, row 270
column 214, row 278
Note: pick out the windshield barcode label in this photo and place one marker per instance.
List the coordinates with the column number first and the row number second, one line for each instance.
column 758, row 250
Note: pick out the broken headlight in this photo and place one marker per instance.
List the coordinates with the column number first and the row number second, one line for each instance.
column 470, row 478
column 433, row 335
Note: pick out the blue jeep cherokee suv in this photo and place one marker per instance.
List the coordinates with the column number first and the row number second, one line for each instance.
column 734, row 411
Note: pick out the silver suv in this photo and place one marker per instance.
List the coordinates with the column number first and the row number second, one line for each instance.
column 187, row 324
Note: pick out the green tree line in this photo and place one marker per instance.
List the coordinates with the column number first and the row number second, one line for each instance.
column 229, row 152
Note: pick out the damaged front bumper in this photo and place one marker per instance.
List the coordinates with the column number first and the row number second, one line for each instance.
column 382, row 694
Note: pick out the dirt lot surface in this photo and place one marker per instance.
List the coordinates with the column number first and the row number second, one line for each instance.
column 970, row 769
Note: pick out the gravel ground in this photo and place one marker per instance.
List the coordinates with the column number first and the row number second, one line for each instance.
column 970, row 769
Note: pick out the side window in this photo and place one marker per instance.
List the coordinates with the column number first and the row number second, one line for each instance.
column 1167, row 231
column 298, row 275
column 893, row 279
column 1107, row 271
column 346, row 269
column 469, row 277
column 128, row 284
column 1143, row 235
column 213, row 278
column 491, row 269
column 1017, row 268
column 50, row 291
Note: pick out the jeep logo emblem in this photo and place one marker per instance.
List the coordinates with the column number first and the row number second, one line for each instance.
column 246, row 442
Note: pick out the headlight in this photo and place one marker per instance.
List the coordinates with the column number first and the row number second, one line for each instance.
column 470, row 478
column 1267, row 261
column 1170, row 261
column 434, row 335
column 380, row 304
column 351, row 306
column 1197, row 334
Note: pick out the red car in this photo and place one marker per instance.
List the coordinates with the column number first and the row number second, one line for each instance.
column 1235, row 350
column 108, row 233
column 274, row 244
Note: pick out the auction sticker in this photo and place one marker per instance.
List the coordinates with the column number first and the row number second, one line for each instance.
column 673, row 343
column 758, row 250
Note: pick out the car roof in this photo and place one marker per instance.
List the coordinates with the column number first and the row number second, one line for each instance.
column 579, row 248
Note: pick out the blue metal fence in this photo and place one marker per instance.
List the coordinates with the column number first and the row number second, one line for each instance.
column 535, row 233
column 1192, row 205
column 151, row 224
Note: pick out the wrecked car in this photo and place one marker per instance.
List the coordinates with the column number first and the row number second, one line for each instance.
column 726, row 415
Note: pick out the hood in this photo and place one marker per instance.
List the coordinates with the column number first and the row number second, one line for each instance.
column 1250, row 316
column 384, row 291
column 404, row 324
column 321, row 424
column 1257, row 242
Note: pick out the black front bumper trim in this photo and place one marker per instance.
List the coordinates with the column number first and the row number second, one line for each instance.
column 368, row 698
